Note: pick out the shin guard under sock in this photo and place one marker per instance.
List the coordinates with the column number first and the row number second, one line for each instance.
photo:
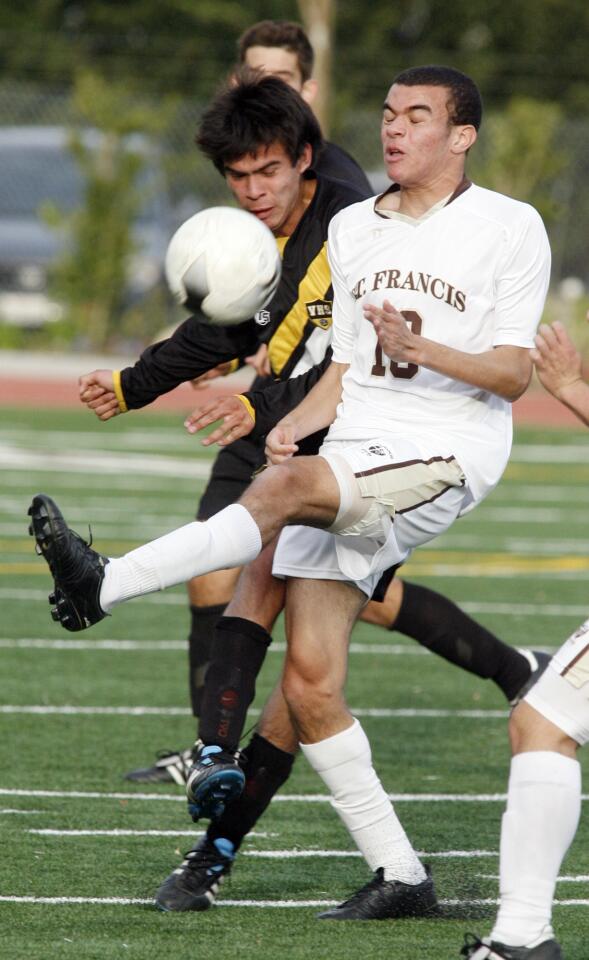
column 238, row 652
column 203, row 621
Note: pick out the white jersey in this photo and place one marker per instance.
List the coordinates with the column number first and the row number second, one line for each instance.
column 473, row 276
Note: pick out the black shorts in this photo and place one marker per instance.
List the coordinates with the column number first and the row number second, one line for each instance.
column 231, row 475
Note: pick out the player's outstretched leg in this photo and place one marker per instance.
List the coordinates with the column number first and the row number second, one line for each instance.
column 77, row 569
column 476, row 949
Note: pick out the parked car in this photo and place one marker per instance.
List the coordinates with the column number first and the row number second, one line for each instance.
column 36, row 166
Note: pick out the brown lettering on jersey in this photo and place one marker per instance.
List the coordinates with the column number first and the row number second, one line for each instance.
column 435, row 286
column 394, row 279
column 379, row 279
column 360, row 289
column 409, row 282
column 460, row 301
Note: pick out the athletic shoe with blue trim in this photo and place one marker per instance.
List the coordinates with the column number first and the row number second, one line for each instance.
column 214, row 781
column 194, row 885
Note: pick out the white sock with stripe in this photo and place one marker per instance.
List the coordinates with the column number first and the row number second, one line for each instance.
column 228, row 539
column 344, row 763
column 538, row 826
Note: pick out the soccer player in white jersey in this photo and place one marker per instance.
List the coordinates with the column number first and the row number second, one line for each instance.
column 546, row 729
column 439, row 286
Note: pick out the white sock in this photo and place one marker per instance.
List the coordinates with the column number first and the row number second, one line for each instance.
column 228, row 539
column 344, row 763
column 538, row 826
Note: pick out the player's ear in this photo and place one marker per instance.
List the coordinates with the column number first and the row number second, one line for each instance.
column 306, row 158
column 309, row 90
column 463, row 138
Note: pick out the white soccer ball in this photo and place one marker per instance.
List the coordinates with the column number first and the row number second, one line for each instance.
column 227, row 259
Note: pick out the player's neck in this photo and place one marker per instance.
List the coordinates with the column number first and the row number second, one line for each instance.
column 306, row 194
column 415, row 200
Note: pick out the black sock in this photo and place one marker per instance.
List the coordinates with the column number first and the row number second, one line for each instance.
column 200, row 641
column 238, row 652
column 438, row 624
column 266, row 768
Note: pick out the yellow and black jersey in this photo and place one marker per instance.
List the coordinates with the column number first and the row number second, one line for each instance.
column 296, row 324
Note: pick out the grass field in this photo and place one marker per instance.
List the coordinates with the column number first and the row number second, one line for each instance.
column 83, row 850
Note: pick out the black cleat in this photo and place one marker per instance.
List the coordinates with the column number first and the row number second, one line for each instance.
column 171, row 766
column 215, row 779
column 538, row 661
column 195, row 883
column 476, row 949
column 77, row 569
column 382, row 899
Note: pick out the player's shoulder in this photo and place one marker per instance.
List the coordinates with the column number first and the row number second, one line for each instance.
column 498, row 207
column 354, row 217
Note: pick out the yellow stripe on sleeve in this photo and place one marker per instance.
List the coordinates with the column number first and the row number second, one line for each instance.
column 247, row 405
column 116, row 379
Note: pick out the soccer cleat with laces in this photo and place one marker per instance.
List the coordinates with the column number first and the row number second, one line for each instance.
column 171, row 766
column 215, row 779
column 476, row 949
column 77, row 569
column 195, row 883
column 538, row 661
column 382, row 899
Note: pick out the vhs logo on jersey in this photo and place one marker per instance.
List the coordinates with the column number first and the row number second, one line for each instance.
column 378, row 450
column 319, row 313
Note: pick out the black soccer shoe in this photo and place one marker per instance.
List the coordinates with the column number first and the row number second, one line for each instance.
column 171, row 766
column 77, row 569
column 384, row 899
column 476, row 949
column 538, row 661
column 215, row 779
column 195, row 883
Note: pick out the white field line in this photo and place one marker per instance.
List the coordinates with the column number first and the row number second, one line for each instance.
column 581, row 878
column 46, row 832
column 378, row 713
column 279, row 798
column 265, row 854
column 4, row 811
column 260, row 904
column 470, row 606
column 104, row 462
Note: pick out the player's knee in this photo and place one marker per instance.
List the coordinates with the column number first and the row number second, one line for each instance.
column 308, row 689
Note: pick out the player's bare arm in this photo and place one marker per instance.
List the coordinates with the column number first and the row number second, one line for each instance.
column 97, row 391
column 559, row 368
column 505, row 370
column 316, row 411
column 237, row 420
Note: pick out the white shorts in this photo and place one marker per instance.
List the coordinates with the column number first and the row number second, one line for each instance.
column 393, row 498
column 562, row 692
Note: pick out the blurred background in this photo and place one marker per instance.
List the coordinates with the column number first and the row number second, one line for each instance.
column 100, row 100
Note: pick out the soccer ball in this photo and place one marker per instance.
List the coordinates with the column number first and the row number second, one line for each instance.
column 224, row 260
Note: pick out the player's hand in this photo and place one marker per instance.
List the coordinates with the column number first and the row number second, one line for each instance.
column 260, row 362
column 556, row 359
column 236, row 421
column 202, row 382
column 394, row 334
column 97, row 392
column 280, row 445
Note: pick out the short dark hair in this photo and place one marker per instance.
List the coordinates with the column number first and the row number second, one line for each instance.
column 464, row 106
column 253, row 111
column 279, row 33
